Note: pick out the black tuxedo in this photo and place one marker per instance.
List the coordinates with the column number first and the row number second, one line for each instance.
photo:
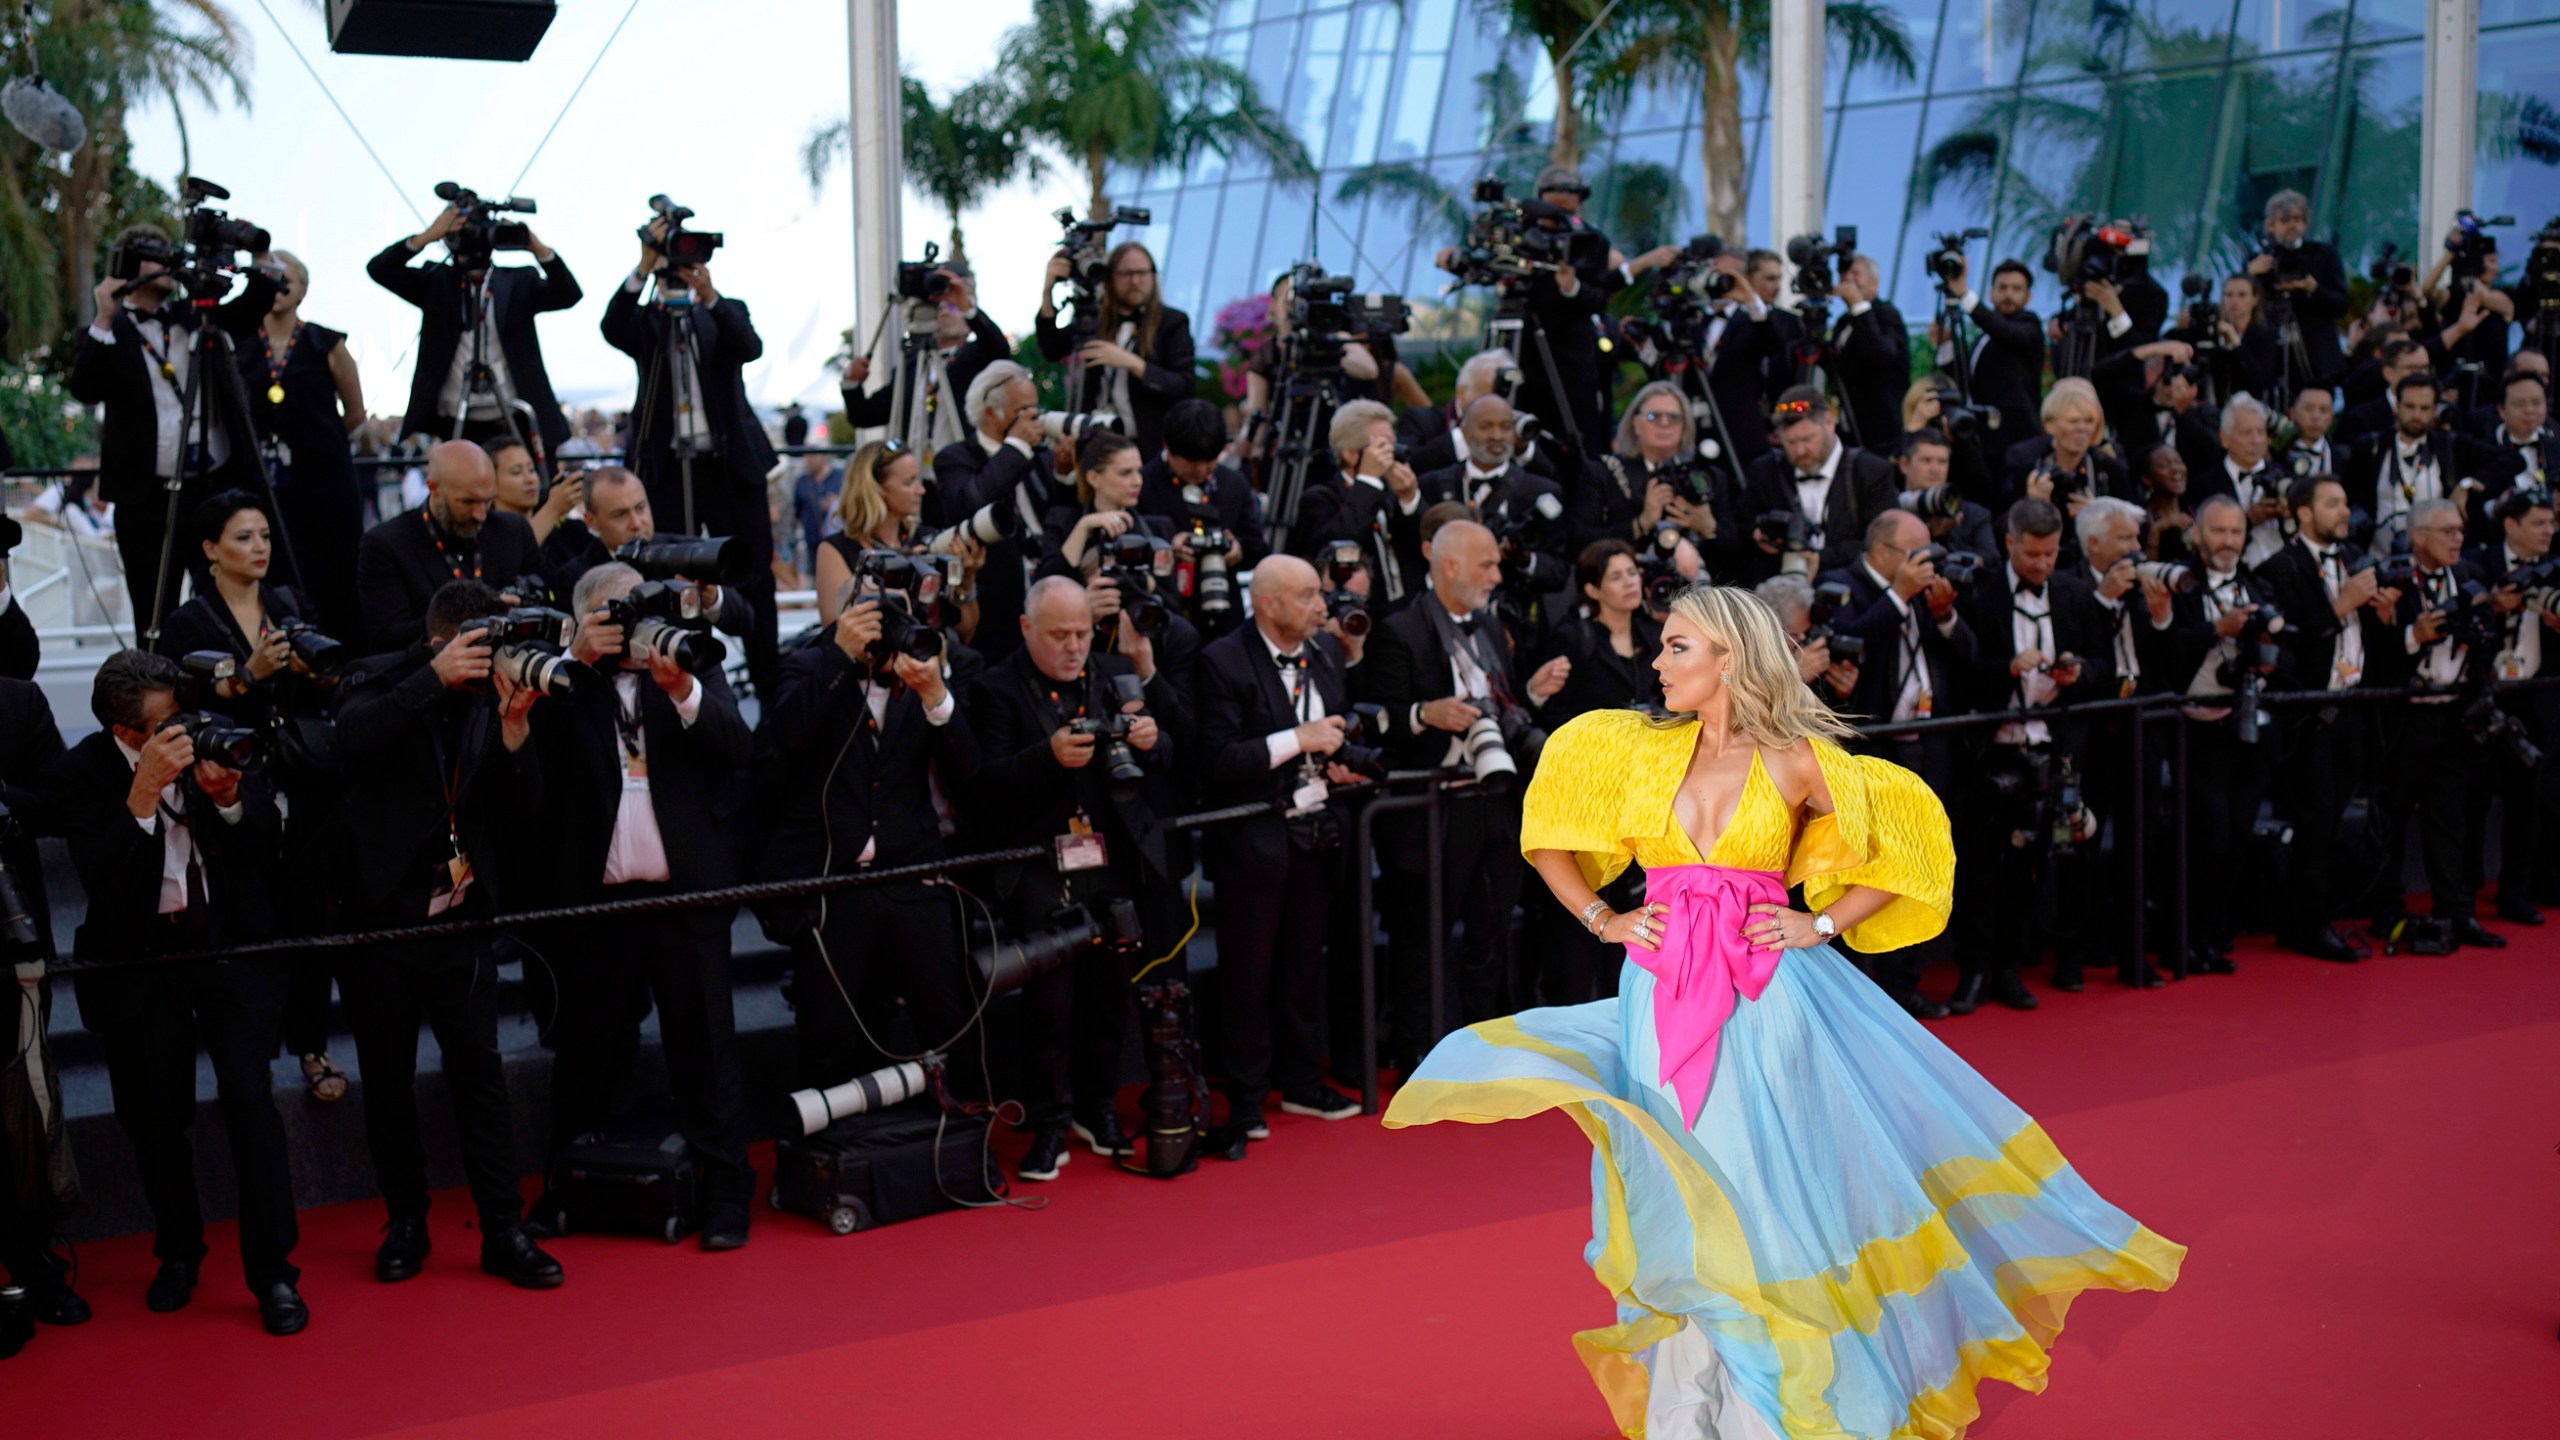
column 2319, row 309
column 152, row 1019
column 30, row 751
column 2106, row 476
column 1166, row 380
column 2526, row 796
column 516, row 293
column 1873, row 616
column 2325, row 747
column 2458, row 458
column 966, row 478
column 1863, row 486
column 2008, row 368
column 1610, row 500
column 834, row 784
column 1871, row 361
column 1229, row 494
column 1740, row 357
column 610, row 972
column 2536, row 462
column 20, row 651
column 2226, row 780
column 1779, row 368
column 119, row 377
column 1275, row 873
column 2081, row 627
column 1600, row 678
column 1363, row 510
column 402, row 562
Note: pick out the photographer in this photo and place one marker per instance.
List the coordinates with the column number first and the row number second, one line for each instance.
column 37, row 1178
column 2066, row 465
column 305, row 399
column 1923, row 463
column 1108, row 480
column 1434, row 437
column 1653, row 474
column 458, row 535
column 276, row 690
column 2480, row 312
column 520, row 491
column 2526, row 631
column 2007, row 363
column 1049, row 777
column 2137, row 618
column 1495, row 487
column 2312, row 449
column 2217, row 633
column 1870, row 357
column 1723, row 344
column 1914, row 649
column 1439, row 667
column 2422, row 460
column 1832, row 680
column 642, row 797
column 695, row 441
column 2166, row 521
column 1376, row 502
column 444, row 787
column 880, row 508
column 1001, row 464
column 1765, row 271
column 877, row 731
column 2531, row 448
column 1933, row 404
column 471, row 309
column 2233, row 344
column 2370, row 394
column 1833, row 492
column 1273, row 696
column 1139, row 361
column 2181, row 421
column 1186, row 475
column 136, row 358
column 177, row 851
column 966, row 339
column 1560, row 374
column 2427, row 758
column 617, row 513
column 2307, row 275
column 2332, row 621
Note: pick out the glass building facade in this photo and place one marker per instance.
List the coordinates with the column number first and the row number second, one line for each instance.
column 2185, row 113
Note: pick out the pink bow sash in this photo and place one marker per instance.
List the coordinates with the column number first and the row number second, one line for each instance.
column 1703, row 962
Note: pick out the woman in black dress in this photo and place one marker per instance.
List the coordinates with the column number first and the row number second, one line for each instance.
column 1611, row 644
column 882, row 508
column 276, row 689
column 305, row 400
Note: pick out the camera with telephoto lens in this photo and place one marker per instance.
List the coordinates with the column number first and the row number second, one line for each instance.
column 2470, row 243
column 318, row 653
column 1956, row 567
column 711, row 560
column 1691, row 477
column 1938, row 502
column 530, row 646
column 663, row 620
column 924, row 280
column 1818, row 262
column 19, row 940
column 908, row 590
column 1946, row 262
column 679, row 245
column 1343, row 605
column 1829, row 599
column 1139, row 564
column 1785, row 529
column 1500, row 745
column 2177, row 579
column 1659, row 562
column 1111, row 727
column 207, row 251
column 479, row 234
column 2084, row 248
column 1959, row 420
column 1071, row 427
column 1005, row 965
column 1529, row 570
column 1213, row 589
column 993, row 523
column 1510, row 241
column 1362, row 724
column 2255, row 656
column 2492, row 727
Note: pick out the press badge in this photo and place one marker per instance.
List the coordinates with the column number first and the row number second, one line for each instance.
column 1308, row 798
column 457, row 874
column 1081, row 852
column 2510, row 665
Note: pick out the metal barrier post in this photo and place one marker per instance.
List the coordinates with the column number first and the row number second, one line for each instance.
column 2140, row 840
column 1436, row 944
column 1364, row 857
column 2178, row 817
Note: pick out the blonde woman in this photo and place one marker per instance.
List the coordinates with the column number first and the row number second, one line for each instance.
column 882, row 508
column 1785, row 1154
column 2071, row 461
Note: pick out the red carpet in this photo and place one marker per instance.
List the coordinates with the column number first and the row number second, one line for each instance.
column 2361, row 1159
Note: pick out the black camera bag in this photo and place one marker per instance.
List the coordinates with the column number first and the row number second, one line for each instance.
column 883, row 1166
column 635, row 1176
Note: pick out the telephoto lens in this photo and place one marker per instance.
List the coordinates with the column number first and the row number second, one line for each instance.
column 2178, row 579
column 697, row 651
column 1938, row 502
column 544, row 671
column 318, row 653
column 1487, row 759
column 1071, row 427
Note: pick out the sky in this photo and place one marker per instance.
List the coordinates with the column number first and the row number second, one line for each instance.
column 707, row 104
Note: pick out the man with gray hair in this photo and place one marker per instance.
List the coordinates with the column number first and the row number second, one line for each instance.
column 1373, row 500
column 2249, row 476
column 2304, row 276
column 1431, row 436
column 1001, row 463
column 1524, row 510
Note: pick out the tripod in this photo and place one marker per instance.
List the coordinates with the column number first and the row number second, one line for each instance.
column 1508, row 329
column 1308, row 397
column 920, row 406
column 2075, row 354
column 675, row 359
column 208, row 346
column 2293, row 362
column 1951, row 323
column 1690, row 366
column 481, row 378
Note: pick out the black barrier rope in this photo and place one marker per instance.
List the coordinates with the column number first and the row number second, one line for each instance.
column 2142, row 706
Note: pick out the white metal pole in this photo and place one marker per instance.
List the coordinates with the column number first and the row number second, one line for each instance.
column 1795, row 118
column 2450, row 118
column 878, row 151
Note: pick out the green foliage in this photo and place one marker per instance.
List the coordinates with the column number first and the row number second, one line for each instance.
column 954, row 152
column 45, row 426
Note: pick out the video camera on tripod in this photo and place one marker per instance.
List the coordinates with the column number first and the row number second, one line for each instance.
column 679, row 245
column 204, row 258
column 1510, row 242
column 2084, row 248
column 1818, row 262
column 480, row 234
column 1945, row 263
column 2471, row 244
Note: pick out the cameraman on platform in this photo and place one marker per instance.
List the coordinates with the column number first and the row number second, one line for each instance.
column 1562, row 305
column 2007, row 362
column 2306, row 274
column 1139, row 361
column 1870, row 356
column 691, row 346
column 470, row 295
column 134, row 358
column 968, row 341
column 643, row 796
column 1050, row 779
column 443, row 787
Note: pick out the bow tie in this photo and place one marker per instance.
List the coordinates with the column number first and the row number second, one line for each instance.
column 1294, row 660
column 2254, row 475
column 1466, row 624
column 1808, row 477
column 2035, row 592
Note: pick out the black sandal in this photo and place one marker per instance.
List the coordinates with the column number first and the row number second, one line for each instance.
column 312, row 1079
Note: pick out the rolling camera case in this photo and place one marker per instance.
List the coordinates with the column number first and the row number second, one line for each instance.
column 883, row 1166
column 633, row 1177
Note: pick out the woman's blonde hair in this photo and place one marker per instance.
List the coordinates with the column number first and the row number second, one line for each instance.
column 1771, row 703
column 861, row 507
column 1921, row 389
column 2071, row 393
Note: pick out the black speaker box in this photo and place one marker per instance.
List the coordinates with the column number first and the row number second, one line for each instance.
column 444, row 29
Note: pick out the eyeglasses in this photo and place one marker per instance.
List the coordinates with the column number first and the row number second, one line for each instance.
column 1659, row 417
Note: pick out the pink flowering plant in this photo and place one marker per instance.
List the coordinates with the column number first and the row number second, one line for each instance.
column 1243, row 330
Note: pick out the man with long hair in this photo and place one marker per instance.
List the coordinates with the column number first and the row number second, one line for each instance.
column 1135, row 361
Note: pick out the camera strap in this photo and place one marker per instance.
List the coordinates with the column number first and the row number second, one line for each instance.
column 447, row 893
column 1618, row 472
column 436, row 534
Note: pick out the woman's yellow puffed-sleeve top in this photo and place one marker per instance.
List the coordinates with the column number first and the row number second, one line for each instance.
column 1604, row 787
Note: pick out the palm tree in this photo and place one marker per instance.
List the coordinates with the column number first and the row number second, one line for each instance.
column 1125, row 86
column 1705, row 44
column 1510, row 152
column 954, row 153
column 1558, row 28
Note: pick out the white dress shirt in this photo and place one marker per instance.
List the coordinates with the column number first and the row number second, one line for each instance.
column 2223, row 593
column 2439, row 661
column 1813, row 496
column 2030, row 628
column 2251, row 486
column 1913, row 699
column 2409, row 475
column 2346, row 659
column 638, row 851
column 177, row 844
column 875, row 698
column 1304, row 696
column 2521, row 658
column 163, row 342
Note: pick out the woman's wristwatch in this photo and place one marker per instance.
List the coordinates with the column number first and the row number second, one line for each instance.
column 1824, row 926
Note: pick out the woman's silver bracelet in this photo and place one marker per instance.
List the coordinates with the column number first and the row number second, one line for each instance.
column 1593, row 909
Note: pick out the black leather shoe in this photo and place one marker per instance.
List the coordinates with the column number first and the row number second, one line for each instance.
column 542, row 1219
column 2323, row 944
column 172, row 1288
column 1102, row 1134
column 1318, row 1101
column 404, row 1249
column 54, row 1302
column 2011, row 991
column 2469, row 931
column 1968, row 996
column 2069, row 977
column 281, row 1307
column 2141, row 977
column 1248, row 1120
column 2518, row 911
column 1047, row 1156
column 511, row 1255
column 724, row 1225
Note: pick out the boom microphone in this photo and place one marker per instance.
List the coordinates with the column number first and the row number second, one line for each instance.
column 878, row 1090
column 41, row 114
